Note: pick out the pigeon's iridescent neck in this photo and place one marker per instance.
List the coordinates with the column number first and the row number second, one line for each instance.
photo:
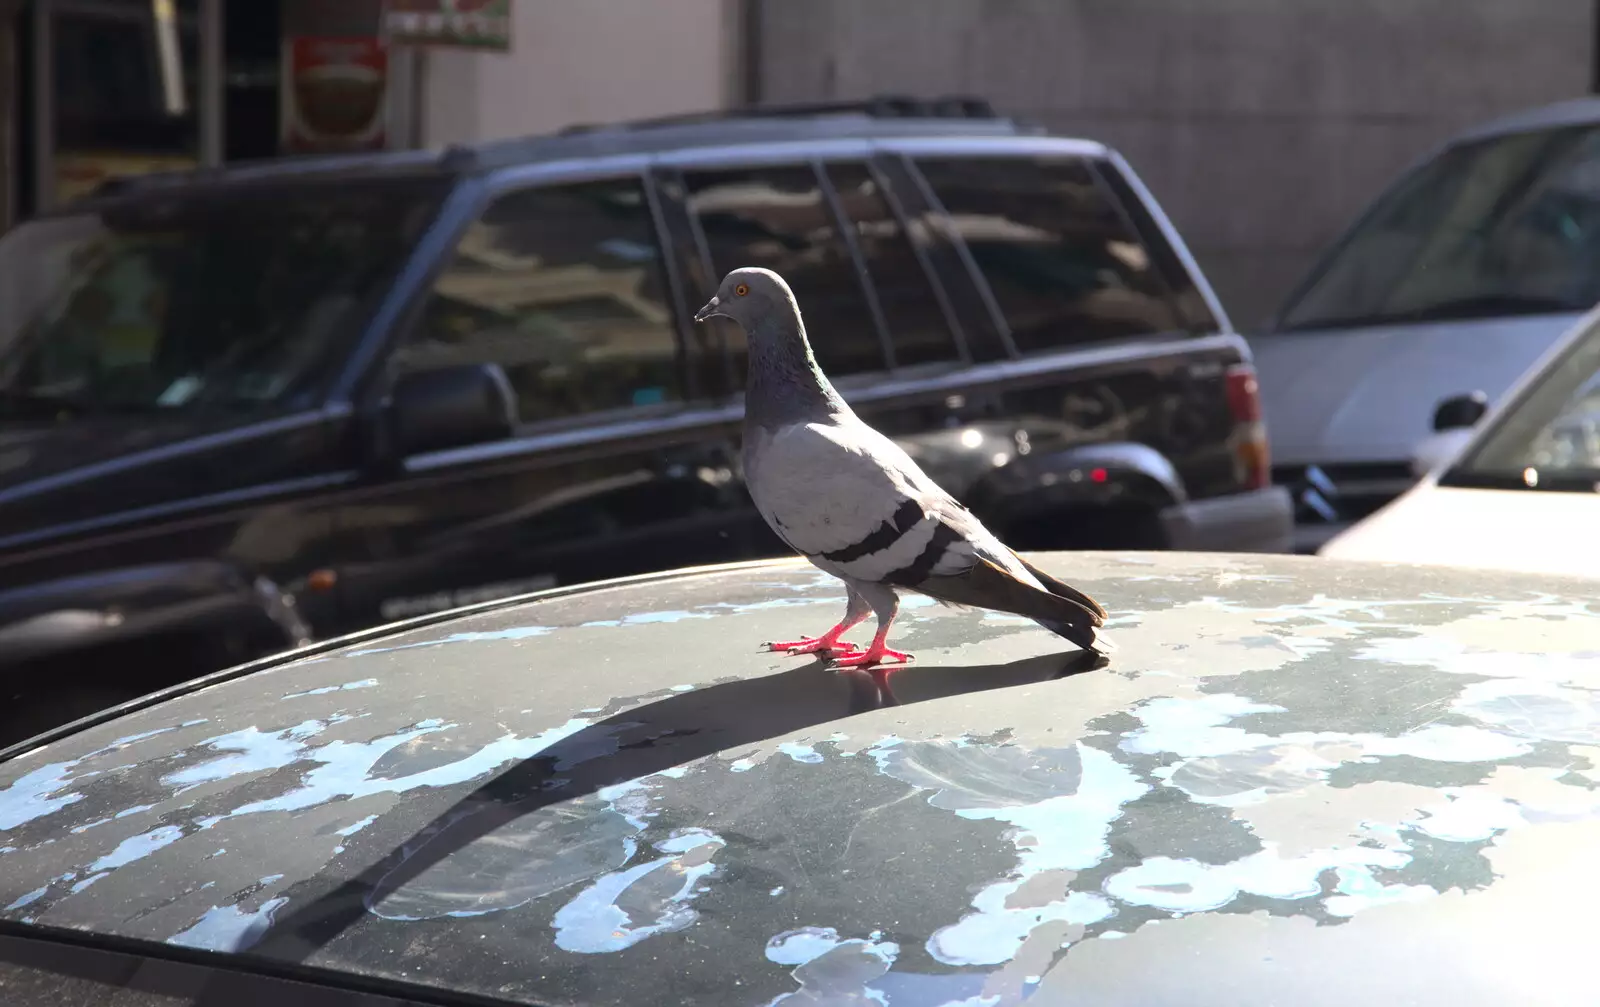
column 785, row 385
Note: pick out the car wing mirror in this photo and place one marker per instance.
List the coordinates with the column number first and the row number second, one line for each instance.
column 452, row 407
column 1460, row 411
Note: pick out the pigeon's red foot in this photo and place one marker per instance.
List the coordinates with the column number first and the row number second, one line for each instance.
column 872, row 656
column 813, row 644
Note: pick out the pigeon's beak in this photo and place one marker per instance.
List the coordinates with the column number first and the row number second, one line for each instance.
column 709, row 311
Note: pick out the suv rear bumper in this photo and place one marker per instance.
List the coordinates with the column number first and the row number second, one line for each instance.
column 1258, row 521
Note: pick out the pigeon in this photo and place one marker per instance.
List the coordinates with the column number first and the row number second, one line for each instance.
column 851, row 501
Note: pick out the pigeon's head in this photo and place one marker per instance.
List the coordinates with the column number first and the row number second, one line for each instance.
column 748, row 295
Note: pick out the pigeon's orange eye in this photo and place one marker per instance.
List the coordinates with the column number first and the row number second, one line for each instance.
column 741, row 289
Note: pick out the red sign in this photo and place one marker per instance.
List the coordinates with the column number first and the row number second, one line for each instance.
column 335, row 93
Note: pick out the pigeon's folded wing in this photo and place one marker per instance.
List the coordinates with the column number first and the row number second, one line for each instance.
column 976, row 570
column 848, row 498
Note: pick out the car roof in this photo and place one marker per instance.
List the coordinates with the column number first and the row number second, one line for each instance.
column 1556, row 115
column 612, row 795
column 883, row 117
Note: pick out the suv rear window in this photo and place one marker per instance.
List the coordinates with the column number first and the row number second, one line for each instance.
column 1065, row 265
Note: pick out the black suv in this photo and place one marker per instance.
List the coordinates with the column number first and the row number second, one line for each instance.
column 244, row 407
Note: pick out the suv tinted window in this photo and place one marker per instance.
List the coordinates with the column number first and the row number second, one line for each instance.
column 1062, row 260
column 236, row 299
column 917, row 327
column 563, row 288
column 779, row 218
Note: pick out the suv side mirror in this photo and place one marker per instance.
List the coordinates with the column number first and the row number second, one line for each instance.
column 452, row 407
column 1460, row 411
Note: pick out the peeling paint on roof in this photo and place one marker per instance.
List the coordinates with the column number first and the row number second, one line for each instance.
column 1288, row 760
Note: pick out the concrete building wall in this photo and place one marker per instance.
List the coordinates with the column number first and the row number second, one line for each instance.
column 1262, row 126
column 595, row 61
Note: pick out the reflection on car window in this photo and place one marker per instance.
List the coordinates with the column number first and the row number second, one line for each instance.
column 228, row 299
column 1065, row 267
column 779, row 218
column 1550, row 439
column 1508, row 226
column 916, row 325
column 562, row 287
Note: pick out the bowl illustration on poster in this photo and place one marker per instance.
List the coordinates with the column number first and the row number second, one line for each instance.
column 336, row 93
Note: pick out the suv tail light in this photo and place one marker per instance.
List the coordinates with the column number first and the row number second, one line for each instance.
column 1252, row 457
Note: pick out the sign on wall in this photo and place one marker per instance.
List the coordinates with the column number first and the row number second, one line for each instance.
column 336, row 93
column 473, row 24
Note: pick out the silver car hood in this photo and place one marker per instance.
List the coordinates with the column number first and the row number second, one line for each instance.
column 1368, row 394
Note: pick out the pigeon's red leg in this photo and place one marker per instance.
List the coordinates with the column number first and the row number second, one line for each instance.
column 809, row 645
column 886, row 603
column 856, row 610
column 877, row 653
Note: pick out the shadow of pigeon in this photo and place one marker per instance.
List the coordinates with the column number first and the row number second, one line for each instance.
column 638, row 742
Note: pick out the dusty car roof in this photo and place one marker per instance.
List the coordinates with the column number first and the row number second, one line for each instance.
column 1309, row 780
column 1556, row 115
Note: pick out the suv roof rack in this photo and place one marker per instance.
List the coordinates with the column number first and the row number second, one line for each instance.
column 878, row 107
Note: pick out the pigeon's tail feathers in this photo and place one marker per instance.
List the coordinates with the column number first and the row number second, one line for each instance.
column 988, row 585
column 1067, row 591
column 1087, row 637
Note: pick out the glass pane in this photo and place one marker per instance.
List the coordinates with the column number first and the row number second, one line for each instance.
column 916, row 324
column 114, row 113
column 1554, row 430
column 1509, row 226
column 562, row 287
column 779, row 219
column 183, row 302
column 1180, row 281
column 1060, row 258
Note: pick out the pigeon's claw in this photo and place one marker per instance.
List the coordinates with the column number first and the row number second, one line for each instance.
column 812, row 645
column 873, row 656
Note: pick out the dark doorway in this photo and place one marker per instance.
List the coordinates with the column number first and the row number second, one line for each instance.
column 108, row 112
column 252, row 68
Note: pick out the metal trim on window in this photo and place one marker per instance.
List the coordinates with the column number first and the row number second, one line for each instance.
column 42, row 35
column 1119, row 205
column 847, row 233
column 1164, row 258
column 365, row 375
column 936, row 281
column 980, row 282
column 1174, row 239
column 687, row 373
column 702, row 246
